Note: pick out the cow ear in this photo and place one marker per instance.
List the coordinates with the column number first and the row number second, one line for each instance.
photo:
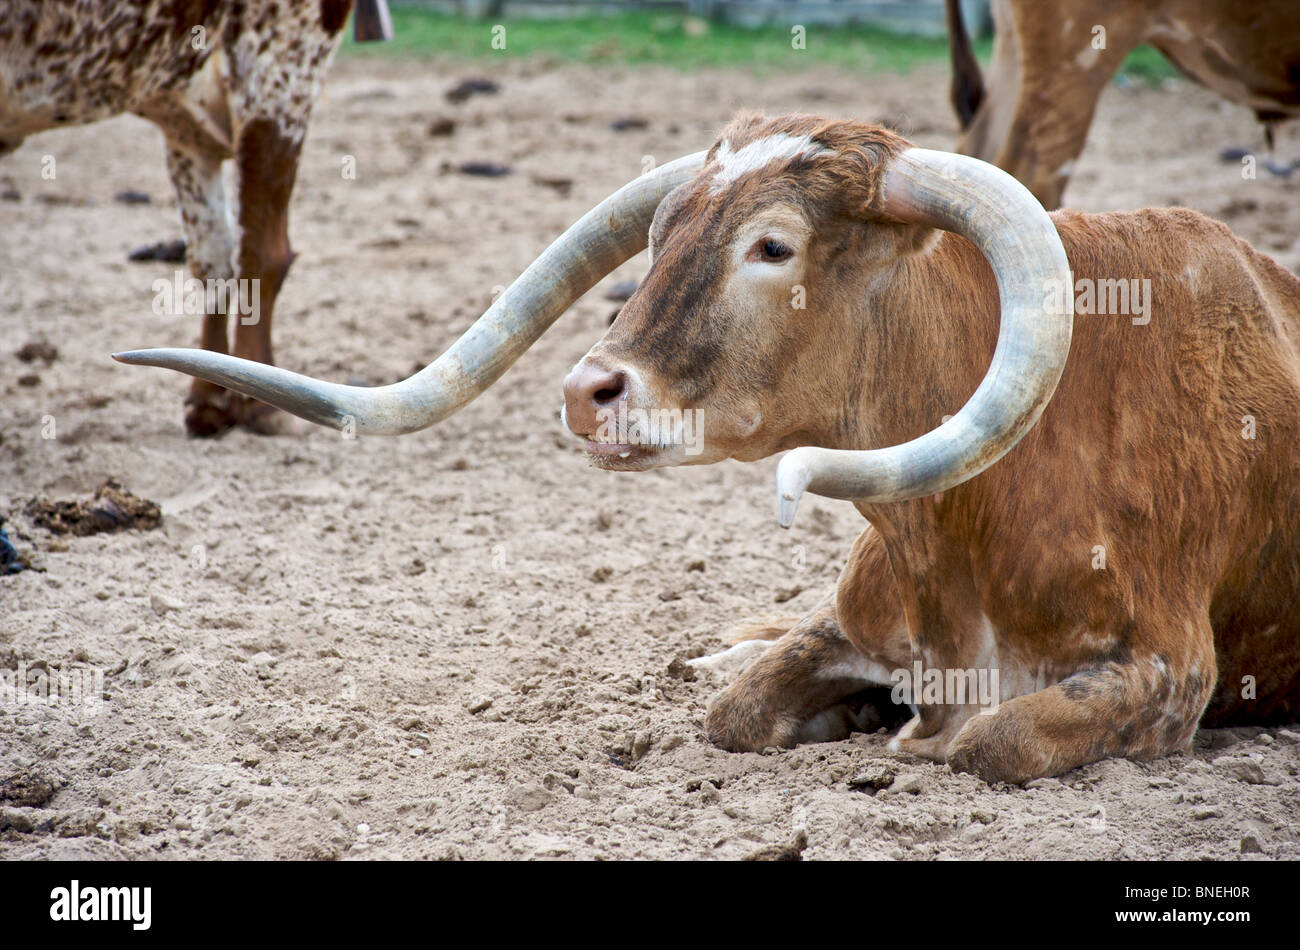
column 371, row 22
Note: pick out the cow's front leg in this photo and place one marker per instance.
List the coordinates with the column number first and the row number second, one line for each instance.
column 1144, row 707
column 830, row 674
column 811, row 685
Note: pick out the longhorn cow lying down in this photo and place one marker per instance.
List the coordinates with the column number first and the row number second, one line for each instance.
column 1124, row 555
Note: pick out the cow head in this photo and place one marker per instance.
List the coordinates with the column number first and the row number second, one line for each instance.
column 752, row 332
column 747, row 334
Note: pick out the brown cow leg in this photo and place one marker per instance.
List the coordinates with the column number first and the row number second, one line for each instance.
column 1034, row 118
column 1143, row 708
column 266, row 160
column 815, row 684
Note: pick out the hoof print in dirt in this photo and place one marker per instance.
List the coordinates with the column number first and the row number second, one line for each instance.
column 112, row 508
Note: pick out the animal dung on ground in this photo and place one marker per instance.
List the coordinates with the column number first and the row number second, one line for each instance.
column 442, row 126
column 562, row 186
column 483, row 169
column 471, row 87
column 171, row 252
column 34, row 350
column 112, row 508
column 629, row 123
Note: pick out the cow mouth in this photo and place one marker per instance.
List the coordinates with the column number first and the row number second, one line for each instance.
column 620, row 456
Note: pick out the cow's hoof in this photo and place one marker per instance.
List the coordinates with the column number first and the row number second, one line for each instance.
column 209, row 418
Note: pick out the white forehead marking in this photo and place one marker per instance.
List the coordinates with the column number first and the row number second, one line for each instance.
column 759, row 153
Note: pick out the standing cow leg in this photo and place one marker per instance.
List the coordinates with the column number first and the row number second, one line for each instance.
column 829, row 675
column 1147, row 706
column 1034, row 117
column 209, row 248
column 266, row 165
column 270, row 101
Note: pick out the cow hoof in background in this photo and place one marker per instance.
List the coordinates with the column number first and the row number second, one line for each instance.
column 212, row 411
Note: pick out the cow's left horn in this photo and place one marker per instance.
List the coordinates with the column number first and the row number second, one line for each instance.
column 999, row 216
column 603, row 238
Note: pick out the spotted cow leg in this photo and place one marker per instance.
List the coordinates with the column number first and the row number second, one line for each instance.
column 829, row 675
column 209, row 252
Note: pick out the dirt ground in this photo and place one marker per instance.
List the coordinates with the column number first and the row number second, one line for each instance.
column 457, row 644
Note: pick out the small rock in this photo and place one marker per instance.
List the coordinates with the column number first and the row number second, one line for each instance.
column 1243, row 770
column 625, row 813
column 1286, row 735
column 913, row 783
column 16, row 819
column 262, row 660
column 984, row 816
column 1250, row 845
column 709, row 792
column 132, row 197
column 1200, row 814
column 789, row 593
column 641, row 744
column 875, row 776
column 442, row 126
column 163, row 604
column 478, row 705
column 530, row 797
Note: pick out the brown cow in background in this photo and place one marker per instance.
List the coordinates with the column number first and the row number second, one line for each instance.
column 1051, row 63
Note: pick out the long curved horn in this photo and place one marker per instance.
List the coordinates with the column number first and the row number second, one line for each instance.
column 999, row 216
column 602, row 239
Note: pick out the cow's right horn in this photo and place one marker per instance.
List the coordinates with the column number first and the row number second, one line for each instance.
column 999, row 216
column 601, row 240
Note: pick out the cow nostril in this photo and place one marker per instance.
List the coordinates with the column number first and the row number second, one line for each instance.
column 612, row 390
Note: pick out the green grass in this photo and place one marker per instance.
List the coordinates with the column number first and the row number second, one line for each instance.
column 680, row 41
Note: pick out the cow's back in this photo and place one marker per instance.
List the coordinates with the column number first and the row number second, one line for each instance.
column 73, row 63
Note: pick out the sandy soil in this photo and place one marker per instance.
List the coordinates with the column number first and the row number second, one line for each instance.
column 457, row 643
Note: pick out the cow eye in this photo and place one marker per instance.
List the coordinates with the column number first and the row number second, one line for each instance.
column 772, row 250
